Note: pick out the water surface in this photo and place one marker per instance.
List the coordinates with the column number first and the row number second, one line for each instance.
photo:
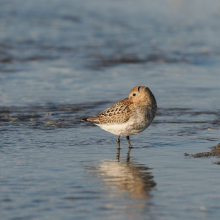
column 63, row 60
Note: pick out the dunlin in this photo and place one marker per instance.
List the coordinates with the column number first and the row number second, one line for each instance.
column 129, row 116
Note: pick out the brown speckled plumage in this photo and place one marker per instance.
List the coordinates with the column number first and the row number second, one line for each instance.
column 118, row 113
column 129, row 116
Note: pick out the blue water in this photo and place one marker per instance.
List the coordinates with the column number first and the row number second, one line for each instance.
column 64, row 60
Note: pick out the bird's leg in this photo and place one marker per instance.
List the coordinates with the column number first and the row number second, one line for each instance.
column 128, row 139
column 118, row 141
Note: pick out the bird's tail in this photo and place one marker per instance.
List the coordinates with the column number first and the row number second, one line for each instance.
column 92, row 120
column 84, row 119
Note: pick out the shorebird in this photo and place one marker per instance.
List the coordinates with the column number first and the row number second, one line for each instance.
column 129, row 116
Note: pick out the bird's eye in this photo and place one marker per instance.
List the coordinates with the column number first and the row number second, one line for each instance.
column 134, row 94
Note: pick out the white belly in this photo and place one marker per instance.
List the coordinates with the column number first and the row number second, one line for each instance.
column 117, row 129
column 125, row 129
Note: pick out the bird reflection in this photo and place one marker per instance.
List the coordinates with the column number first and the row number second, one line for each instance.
column 118, row 154
column 127, row 176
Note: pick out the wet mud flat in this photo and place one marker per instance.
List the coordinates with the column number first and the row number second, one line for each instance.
column 50, row 116
column 69, row 115
column 188, row 123
column 215, row 152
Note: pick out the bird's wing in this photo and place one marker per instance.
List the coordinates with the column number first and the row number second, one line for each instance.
column 118, row 113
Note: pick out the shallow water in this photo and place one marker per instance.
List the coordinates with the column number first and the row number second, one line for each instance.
column 63, row 60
